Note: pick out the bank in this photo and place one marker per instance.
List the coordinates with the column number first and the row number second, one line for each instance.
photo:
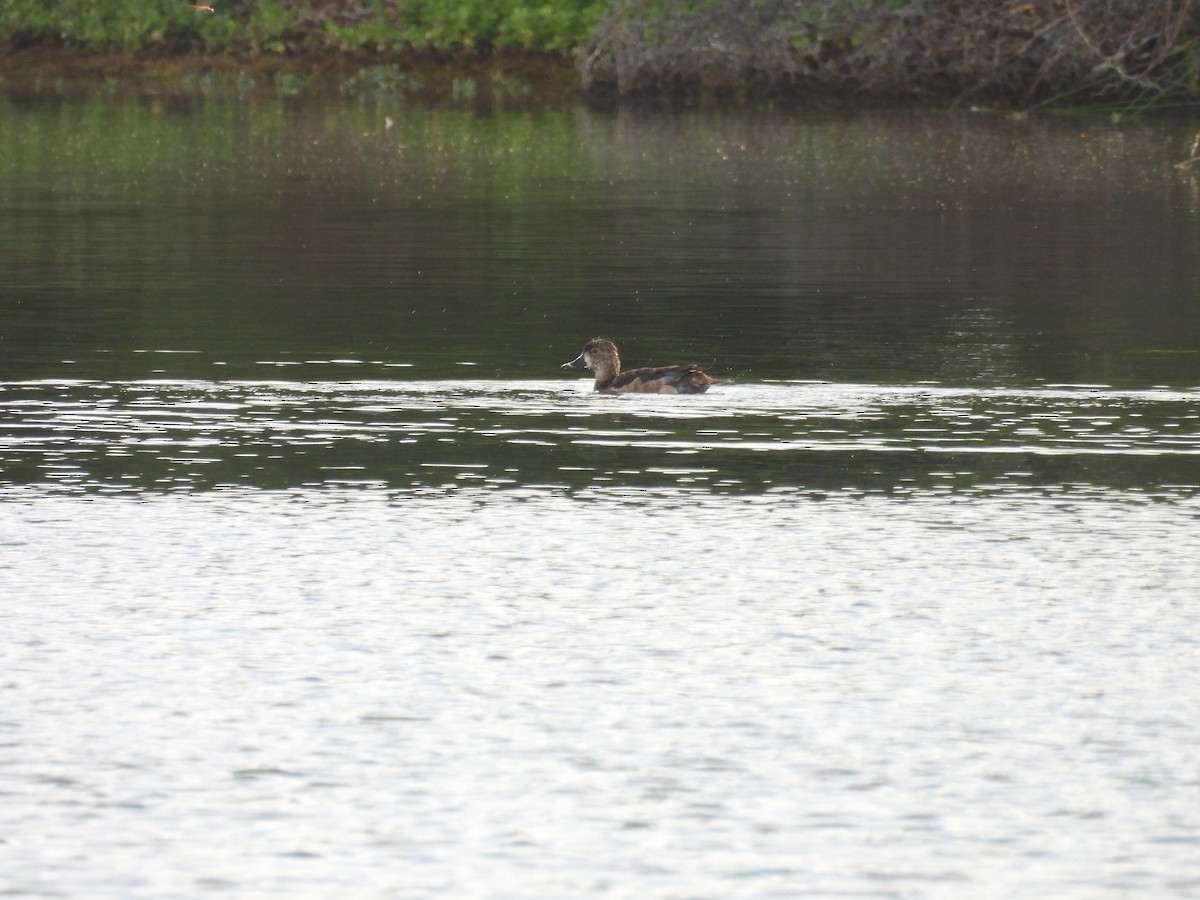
column 1127, row 53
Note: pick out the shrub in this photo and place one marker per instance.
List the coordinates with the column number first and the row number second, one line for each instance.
column 1018, row 49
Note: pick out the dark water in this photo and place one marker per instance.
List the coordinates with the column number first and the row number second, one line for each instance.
column 954, row 248
column 320, row 576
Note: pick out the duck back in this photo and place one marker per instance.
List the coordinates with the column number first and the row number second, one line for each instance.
column 683, row 379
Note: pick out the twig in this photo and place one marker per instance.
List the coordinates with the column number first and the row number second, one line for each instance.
column 1193, row 155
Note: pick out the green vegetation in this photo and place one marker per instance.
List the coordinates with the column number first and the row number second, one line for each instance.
column 129, row 24
column 277, row 26
column 1132, row 53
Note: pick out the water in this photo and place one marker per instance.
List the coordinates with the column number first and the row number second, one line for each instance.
column 151, row 436
column 337, row 690
column 320, row 578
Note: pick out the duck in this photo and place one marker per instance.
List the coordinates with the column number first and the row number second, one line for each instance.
column 601, row 357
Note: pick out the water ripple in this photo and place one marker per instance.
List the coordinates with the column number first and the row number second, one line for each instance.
column 344, row 690
column 196, row 435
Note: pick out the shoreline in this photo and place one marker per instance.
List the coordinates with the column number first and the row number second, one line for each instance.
column 526, row 78
column 1122, row 56
column 65, row 72
column 460, row 77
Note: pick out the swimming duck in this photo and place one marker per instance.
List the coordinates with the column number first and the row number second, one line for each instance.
column 601, row 357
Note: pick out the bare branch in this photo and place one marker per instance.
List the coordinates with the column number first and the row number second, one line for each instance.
column 1003, row 49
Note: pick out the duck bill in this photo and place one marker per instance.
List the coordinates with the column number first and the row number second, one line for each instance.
column 576, row 363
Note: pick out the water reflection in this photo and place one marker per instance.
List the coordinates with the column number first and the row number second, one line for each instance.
column 357, row 691
column 155, row 435
column 873, row 249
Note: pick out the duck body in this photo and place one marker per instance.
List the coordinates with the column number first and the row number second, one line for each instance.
column 601, row 357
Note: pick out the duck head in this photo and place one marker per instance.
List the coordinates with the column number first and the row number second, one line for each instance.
column 600, row 356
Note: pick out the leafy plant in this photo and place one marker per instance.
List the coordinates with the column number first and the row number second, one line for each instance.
column 557, row 26
column 278, row 25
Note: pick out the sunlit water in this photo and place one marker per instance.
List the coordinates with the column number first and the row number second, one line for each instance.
column 515, row 639
column 320, row 579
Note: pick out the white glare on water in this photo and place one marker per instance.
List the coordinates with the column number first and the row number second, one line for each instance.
column 971, row 683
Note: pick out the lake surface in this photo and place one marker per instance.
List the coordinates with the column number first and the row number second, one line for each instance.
column 320, row 578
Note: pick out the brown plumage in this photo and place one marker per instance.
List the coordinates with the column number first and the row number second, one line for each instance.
column 601, row 357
